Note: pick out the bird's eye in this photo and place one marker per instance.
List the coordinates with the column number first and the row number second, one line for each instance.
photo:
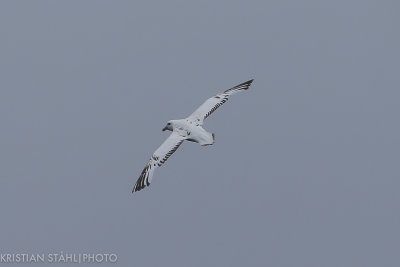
column 169, row 123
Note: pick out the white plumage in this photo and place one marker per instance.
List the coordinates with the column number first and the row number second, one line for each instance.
column 189, row 129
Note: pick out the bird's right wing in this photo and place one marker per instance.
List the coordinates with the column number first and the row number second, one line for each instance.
column 158, row 158
column 211, row 104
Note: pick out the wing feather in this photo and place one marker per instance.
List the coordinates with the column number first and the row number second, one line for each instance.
column 211, row 104
column 159, row 157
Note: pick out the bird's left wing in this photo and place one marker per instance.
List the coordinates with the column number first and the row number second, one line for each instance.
column 211, row 104
column 158, row 158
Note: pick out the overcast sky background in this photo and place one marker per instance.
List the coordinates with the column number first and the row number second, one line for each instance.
column 305, row 167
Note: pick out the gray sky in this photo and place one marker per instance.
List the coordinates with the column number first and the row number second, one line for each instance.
column 305, row 168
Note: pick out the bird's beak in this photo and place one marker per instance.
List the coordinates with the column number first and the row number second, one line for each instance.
column 165, row 128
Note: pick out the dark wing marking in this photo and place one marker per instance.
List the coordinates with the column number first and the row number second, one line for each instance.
column 213, row 103
column 160, row 156
column 172, row 151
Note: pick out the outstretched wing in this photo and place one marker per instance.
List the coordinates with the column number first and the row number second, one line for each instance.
column 159, row 157
column 215, row 102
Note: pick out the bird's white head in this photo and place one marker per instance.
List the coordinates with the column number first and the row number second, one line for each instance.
column 169, row 126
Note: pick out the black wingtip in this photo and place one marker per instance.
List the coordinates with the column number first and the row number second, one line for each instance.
column 248, row 83
column 137, row 189
column 245, row 85
column 242, row 86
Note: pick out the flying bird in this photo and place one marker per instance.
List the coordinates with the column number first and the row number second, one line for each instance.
column 189, row 129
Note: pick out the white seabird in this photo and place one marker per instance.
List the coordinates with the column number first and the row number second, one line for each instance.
column 189, row 129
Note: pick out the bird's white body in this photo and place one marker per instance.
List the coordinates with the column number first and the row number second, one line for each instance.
column 192, row 131
column 189, row 129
